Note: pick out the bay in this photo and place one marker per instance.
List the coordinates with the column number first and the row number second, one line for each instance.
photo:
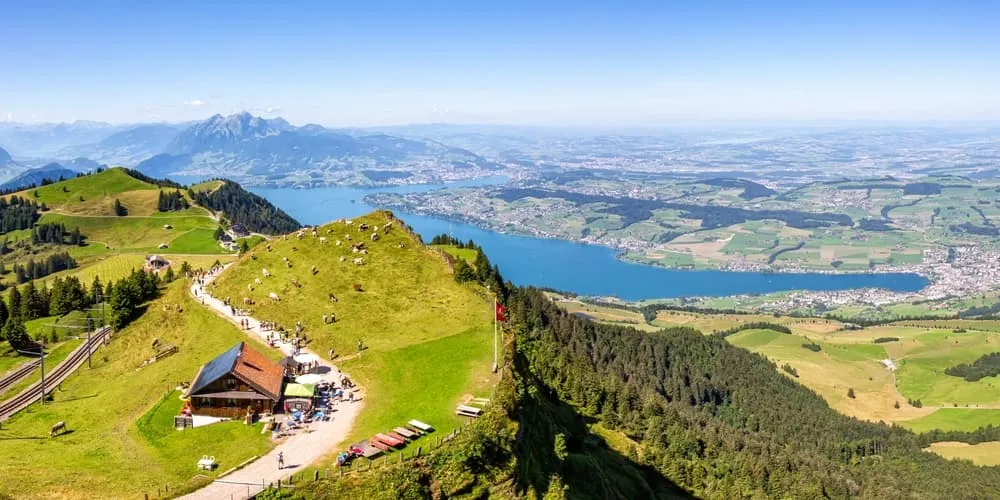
column 570, row 266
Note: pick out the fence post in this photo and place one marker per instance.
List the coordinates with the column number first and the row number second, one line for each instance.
column 418, row 451
column 316, row 474
column 402, row 455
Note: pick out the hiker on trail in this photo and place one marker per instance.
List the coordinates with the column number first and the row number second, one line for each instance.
column 350, row 396
column 331, row 353
column 359, row 345
column 281, row 460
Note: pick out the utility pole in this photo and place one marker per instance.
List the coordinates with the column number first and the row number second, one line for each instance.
column 41, row 355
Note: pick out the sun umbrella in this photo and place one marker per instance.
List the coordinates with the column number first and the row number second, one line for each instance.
column 306, row 358
column 309, row 378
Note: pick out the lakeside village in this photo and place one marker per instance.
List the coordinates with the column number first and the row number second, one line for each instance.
column 959, row 272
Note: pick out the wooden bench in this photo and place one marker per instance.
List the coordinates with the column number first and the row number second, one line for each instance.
column 420, row 425
column 403, row 431
column 468, row 411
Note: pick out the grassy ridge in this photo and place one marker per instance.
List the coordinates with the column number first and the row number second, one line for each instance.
column 427, row 338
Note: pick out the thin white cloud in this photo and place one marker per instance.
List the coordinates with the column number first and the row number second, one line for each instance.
column 195, row 103
column 272, row 109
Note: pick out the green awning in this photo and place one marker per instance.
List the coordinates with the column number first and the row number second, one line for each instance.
column 300, row 390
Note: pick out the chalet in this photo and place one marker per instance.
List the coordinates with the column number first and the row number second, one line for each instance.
column 156, row 263
column 239, row 380
column 239, row 230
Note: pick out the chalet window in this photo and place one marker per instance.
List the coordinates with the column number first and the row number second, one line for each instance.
column 231, row 403
column 231, row 383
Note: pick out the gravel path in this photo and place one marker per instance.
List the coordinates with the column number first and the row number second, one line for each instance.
column 299, row 450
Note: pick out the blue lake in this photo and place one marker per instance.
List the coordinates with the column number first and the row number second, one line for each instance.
column 569, row 266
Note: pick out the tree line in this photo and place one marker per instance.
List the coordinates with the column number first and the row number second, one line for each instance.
column 17, row 213
column 51, row 232
column 32, row 269
column 987, row 365
column 242, row 207
column 124, row 299
column 172, row 201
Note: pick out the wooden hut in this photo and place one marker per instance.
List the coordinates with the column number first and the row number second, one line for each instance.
column 238, row 379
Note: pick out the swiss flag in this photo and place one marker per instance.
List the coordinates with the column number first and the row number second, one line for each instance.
column 501, row 312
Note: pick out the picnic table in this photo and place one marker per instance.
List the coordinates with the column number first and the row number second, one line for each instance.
column 420, row 425
column 206, row 463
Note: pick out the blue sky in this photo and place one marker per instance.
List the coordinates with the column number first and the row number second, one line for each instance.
column 367, row 62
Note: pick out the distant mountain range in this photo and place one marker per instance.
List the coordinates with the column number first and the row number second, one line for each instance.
column 250, row 149
column 52, row 171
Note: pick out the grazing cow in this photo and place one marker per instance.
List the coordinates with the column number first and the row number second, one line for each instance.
column 347, row 237
column 249, row 287
column 314, row 232
column 358, row 287
column 288, row 264
column 359, row 261
column 265, row 273
column 342, row 258
column 333, row 298
column 337, row 243
column 400, row 245
column 314, row 270
column 322, row 239
column 364, row 251
column 374, row 236
column 57, row 429
column 258, row 281
column 247, row 301
column 375, row 228
column 329, row 231
column 274, row 297
column 295, row 249
column 362, row 227
column 296, row 283
column 348, row 222
column 333, row 318
column 284, row 259
column 268, row 247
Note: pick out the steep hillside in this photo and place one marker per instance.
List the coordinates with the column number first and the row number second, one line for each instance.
column 244, row 209
column 685, row 409
column 426, row 338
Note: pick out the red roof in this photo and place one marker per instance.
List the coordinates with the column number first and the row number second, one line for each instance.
column 255, row 369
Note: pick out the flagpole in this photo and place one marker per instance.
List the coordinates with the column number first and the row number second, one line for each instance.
column 494, row 334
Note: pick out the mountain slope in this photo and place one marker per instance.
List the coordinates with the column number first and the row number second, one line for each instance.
column 35, row 176
column 129, row 146
column 258, row 150
column 46, row 140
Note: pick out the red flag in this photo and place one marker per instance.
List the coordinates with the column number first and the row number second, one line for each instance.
column 501, row 311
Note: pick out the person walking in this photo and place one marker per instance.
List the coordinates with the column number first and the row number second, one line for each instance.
column 281, row 460
column 331, row 353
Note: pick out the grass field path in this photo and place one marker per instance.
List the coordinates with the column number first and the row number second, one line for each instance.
column 300, row 450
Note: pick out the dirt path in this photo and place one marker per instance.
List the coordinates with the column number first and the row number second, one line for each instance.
column 301, row 449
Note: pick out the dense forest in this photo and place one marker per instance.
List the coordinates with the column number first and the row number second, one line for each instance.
column 242, row 207
column 163, row 183
column 171, row 201
column 55, row 233
column 32, row 269
column 17, row 213
column 633, row 210
column 700, row 417
column 987, row 365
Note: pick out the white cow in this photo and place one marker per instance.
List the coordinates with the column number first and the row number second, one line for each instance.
column 322, row 239
column 359, row 261
column 273, row 296
column 342, row 258
column 258, row 281
column 265, row 273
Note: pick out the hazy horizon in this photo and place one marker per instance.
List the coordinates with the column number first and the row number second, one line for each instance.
column 538, row 64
